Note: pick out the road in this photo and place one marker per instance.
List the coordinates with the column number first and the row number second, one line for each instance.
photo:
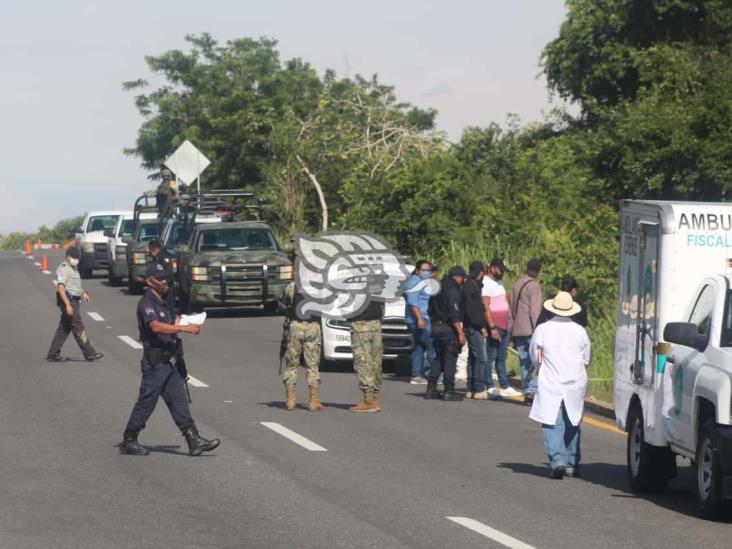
column 384, row 480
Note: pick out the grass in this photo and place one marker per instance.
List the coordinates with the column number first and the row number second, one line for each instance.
column 601, row 327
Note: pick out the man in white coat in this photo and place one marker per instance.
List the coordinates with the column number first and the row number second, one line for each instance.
column 560, row 349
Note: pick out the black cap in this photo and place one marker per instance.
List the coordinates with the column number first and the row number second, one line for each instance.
column 72, row 252
column 457, row 270
column 476, row 267
column 498, row 262
column 157, row 269
column 154, row 243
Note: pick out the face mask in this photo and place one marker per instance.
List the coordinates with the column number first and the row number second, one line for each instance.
column 425, row 274
column 73, row 262
column 160, row 287
column 498, row 275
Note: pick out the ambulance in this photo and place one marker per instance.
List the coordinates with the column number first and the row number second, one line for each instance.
column 673, row 352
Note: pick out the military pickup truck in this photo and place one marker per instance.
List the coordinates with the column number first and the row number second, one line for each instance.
column 232, row 257
column 135, row 251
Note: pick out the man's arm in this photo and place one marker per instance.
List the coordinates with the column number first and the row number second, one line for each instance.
column 535, row 304
column 165, row 328
column 453, row 314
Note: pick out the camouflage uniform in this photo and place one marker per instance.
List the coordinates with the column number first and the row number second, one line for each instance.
column 368, row 351
column 304, row 339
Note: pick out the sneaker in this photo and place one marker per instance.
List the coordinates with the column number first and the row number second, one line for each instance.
column 558, row 472
column 94, row 357
column 510, row 392
column 469, row 395
column 528, row 399
column 572, row 473
column 483, row 395
column 418, row 380
column 57, row 358
column 494, row 392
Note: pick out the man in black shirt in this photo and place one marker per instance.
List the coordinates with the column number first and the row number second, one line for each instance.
column 447, row 334
column 158, row 328
column 476, row 330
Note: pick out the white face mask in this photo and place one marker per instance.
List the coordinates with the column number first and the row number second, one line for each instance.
column 73, row 262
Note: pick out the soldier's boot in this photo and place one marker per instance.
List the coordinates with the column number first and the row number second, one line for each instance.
column 431, row 393
column 315, row 405
column 130, row 446
column 291, row 397
column 368, row 404
column 197, row 444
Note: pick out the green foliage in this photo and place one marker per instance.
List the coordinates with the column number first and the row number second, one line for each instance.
column 63, row 231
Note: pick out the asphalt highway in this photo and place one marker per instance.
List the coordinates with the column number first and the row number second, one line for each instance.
column 418, row 474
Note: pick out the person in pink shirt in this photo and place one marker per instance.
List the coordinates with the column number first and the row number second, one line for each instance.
column 495, row 302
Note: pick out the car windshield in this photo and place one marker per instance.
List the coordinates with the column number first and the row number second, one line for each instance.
column 101, row 222
column 128, row 226
column 175, row 235
column 148, row 232
column 727, row 324
column 235, row 239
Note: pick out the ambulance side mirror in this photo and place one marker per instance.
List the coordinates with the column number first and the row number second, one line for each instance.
column 686, row 334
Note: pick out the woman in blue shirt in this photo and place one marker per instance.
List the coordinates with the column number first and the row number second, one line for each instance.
column 418, row 321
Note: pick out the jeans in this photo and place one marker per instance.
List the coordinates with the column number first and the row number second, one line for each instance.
column 424, row 352
column 447, row 347
column 477, row 360
column 528, row 378
column 496, row 351
column 562, row 442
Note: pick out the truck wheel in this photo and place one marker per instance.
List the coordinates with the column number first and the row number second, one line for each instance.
column 84, row 271
column 708, row 474
column 113, row 280
column 270, row 308
column 649, row 467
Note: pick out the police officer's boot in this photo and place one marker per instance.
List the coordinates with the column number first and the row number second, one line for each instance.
column 197, row 444
column 369, row 403
column 130, row 446
column 431, row 393
column 315, row 405
column 450, row 394
column 291, row 397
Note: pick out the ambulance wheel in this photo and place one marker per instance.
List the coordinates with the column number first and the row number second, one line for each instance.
column 649, row 467
column 708, row 475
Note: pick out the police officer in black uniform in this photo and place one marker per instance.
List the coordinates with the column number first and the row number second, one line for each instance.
column 158, row 328
column 447, row 334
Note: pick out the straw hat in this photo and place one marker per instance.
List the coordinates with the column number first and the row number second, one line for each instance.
column 562, row 305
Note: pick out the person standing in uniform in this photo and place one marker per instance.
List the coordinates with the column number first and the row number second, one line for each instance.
column 69, row 294
column 368, row 351
column 561, row 349
column 303, row 339
column 158, row 328
column 167, row 190
column 447, row 334
column 525, row 302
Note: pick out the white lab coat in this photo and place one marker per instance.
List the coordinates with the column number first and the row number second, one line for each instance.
column 563, row 348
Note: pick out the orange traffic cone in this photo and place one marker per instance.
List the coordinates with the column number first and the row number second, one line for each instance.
column 28, row 249
column 39, row 245
column 44, row 263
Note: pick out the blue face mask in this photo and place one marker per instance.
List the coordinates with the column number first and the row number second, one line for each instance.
column 425, row 274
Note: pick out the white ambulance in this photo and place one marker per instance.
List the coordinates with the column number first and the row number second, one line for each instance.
column 673, row 354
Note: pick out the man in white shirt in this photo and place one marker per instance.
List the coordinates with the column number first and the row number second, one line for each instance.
column 495, row 303
column 560, row 348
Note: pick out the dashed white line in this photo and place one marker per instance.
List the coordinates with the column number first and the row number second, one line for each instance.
column 196, row 382
column 492, row 533
column 131, row 342
column 294, row 437
column 46, row 272
column 96, row 316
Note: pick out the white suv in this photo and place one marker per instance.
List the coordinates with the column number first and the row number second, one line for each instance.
column 91, row 240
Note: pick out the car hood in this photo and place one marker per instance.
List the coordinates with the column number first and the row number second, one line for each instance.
column 261, row 257
column 94, row 236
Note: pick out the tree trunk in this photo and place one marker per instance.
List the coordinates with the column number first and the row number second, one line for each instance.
column 319, row 189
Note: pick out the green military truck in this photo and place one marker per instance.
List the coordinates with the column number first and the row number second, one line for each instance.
column 232, row 257
column 146, row 228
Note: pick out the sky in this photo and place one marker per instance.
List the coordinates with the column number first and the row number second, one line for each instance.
column 65, row 118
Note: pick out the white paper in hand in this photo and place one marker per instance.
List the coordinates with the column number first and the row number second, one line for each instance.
column 197, row 320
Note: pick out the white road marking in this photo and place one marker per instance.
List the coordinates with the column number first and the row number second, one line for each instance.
column 30, row 257
column 46, row 272
column 492, row 533
column 131, row 342
column 95, row 316
column 228, row 401
column 36, row 263
column 294, row 437
column 196, row 382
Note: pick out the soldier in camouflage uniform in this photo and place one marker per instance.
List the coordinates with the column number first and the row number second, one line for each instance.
column 368, row 351
column 303, row 338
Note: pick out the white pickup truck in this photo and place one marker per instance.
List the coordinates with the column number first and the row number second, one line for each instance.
column 673, row 347
column 91, row 239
